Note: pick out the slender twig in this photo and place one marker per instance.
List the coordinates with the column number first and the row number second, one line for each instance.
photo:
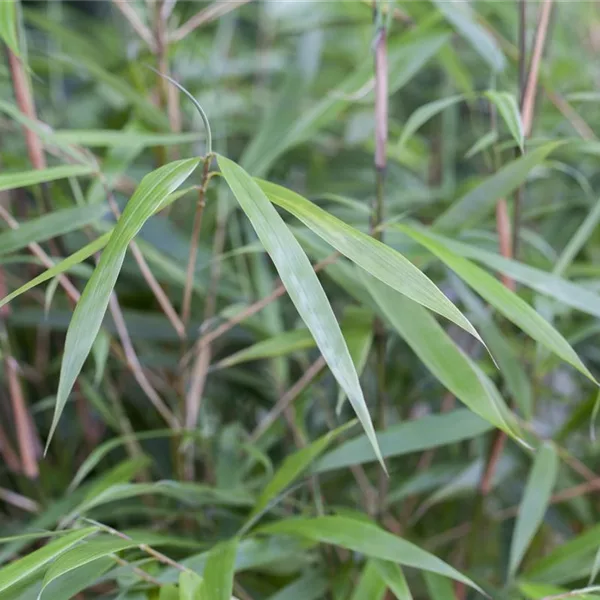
column 136, row 368
column 22, row 502
column 191, row 266
column 136, row 22
column 581, row 592
column 287, row 398
column 8, row 453
column 206, row 15
column 23, row 422
column 279, row 291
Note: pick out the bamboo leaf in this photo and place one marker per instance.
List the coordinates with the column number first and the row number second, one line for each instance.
column 8, row 25
column 10, row 181
column 293, row 466
column 504, row 300
column 394, row 578
column 302, row 285
column 536, row 498
column 368, row 539
column 509, row 110
column 370, row 585
column 403, row 438
column 481, row 200
column 90, row 310
column 24, row 567
column 219, row 570
column 376, row 258
column 448, row 363
column 49, row 226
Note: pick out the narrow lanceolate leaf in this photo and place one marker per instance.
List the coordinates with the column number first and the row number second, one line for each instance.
column 509, row 110
column 10, row 181
column 464, row 19
column 90, row 310
column 538, row 490
column 82, row 555
column 113, row 138
column 191, row 586
column 376, row 258
column 502, row 299
column 370, row 586
column 403, row 438
column 302, row 285
column 446, row 361
column 367, row 539
column 219, row 570
column 394, row 578
column 481, row 200
column 8, row 25
column 278, row 345
column 439, row 588
column 423, row 114
column 26, row 566
column 48, row 226
column 293, row 466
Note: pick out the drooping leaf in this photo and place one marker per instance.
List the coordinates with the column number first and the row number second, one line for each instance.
column 504, row 300
column 448, row 363
column 90, row 310
column 10, row 181
column 302, row 285
column 376, row 258
column 26, row 566
column 368, row 539
column 403, row 438
column 538, row 490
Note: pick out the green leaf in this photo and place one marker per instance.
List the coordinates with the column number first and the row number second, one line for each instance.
column 191, row 586
column 278, row 345
column 422, row 115
column 368, row 539
column 511, row 368
column 376, row 258
column 481, row 200
column 302, row 285
column 26, row 566
column 394, row 578
column 566, row 292
column 370, row 586
column 311, row 586
column 403, row 438
column 448, row 363
column 113, row 138
column 536, row 498
column 293, row 466
column 439, row 588
column 90, row 310
column 8, row 25
column 49, row 226
column 219, row 570
column 509, row 110
column 485, row 141
column 83, row 554
column 10, row 181
column 500, row 297
column 463, row 18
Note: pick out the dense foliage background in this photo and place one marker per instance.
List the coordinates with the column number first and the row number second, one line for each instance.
column 205, row 448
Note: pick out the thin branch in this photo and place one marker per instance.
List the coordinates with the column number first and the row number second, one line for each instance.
column 279, row 291
column 208, row 14
column 22, row 502
column 23, row 422
column 136, row 22
column 286, row 400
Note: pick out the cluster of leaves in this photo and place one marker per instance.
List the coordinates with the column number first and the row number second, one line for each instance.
column 221, row 337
